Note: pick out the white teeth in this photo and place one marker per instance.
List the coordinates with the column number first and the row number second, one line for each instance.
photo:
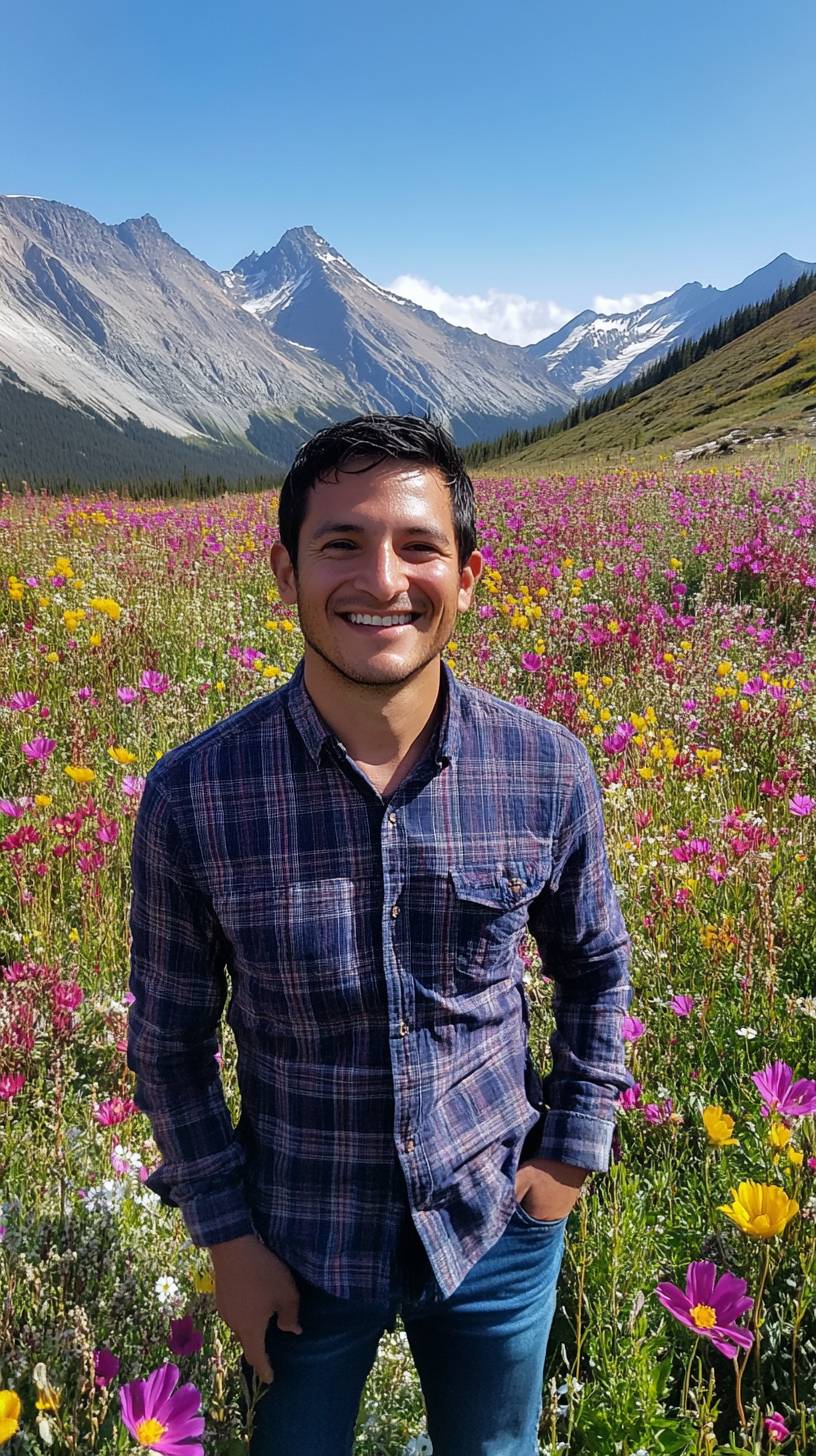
column 396, row 620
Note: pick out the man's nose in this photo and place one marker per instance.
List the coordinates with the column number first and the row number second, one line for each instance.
column 382, row 573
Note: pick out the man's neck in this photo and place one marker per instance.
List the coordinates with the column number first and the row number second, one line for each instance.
column 383, row 728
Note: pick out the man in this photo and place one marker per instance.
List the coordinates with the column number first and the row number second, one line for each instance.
column 363, row 850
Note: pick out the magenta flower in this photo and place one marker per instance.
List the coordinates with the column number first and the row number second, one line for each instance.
column 114, row 1111
column 658, row 1113
column 185, row 1339
column 10, row 1086
column 38, row 749
column 161, row 1417
column 710, row 1306
column 802, row 804
column 154, row 682
column 682, row 1005
column 106, row 1366
column 531, row 662
column 632, row 1028
column 781, row 1094
column 630, row 1097
column 775, row 1426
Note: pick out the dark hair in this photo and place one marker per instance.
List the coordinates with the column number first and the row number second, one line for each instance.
column 377, row 438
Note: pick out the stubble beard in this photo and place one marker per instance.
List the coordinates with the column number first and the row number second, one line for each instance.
column 357, row 677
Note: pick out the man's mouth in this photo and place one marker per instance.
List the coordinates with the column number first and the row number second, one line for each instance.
column 379, row 621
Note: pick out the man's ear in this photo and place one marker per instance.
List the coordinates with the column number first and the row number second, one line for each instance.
column 469, row 576
column 284, row 572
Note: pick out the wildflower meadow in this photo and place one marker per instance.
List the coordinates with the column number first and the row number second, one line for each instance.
column 666, row 617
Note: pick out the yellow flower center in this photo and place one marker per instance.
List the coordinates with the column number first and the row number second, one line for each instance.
column 149, row 1432
column 704, row 1316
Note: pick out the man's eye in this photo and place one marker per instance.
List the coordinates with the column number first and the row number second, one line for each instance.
column 330, row 544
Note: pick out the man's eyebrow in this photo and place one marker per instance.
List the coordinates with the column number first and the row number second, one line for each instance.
column 349, row 528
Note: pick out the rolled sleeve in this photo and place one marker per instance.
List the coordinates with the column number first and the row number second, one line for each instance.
column 585, row 948
column 178, row 980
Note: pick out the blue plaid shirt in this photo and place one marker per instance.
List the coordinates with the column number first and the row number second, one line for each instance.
column 375, row 983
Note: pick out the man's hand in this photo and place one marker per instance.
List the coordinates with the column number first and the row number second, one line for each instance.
column 547, row 1189
column 252, row 1284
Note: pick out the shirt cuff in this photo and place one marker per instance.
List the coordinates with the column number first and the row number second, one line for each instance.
column 576, row 1138
column 210, row 1218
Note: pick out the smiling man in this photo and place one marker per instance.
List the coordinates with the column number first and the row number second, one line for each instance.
column 363, row 851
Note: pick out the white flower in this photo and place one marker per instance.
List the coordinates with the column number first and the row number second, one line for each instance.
column 40, row 1375
column 419, row 1446
column 44, row 1430
column 748, row 1032
column 106, row 1197
column 166, row 1289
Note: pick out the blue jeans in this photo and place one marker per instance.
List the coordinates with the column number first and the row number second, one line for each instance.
column 479, row 1355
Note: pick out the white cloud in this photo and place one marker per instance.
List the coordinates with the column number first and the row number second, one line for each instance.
column 628, row 303
column 510, row 317
column 507, row 316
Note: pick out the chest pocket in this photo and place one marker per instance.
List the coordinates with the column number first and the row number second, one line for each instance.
column 295, row 960
column 489, row 908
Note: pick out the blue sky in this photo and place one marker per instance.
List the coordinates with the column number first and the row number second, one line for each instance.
column 507, row 164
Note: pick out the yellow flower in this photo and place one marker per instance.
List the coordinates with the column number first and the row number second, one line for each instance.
column 9, row 1415
column 761, row 1210
column 49, row 1399
column 73, row 936
column 796, row 1157
column 580, row 679
column 107, row 605
column 723, row 668
column 80, row 775
column 719, row 1127
column 779, row 1135
column 121, row 755
column 613, row 626
column 646, row 772
column 203, row 1283
column 43, row 800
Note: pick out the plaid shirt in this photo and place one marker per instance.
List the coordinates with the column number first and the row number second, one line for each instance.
column 376, row 987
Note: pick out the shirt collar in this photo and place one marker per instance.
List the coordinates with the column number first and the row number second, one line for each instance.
column 316, row 733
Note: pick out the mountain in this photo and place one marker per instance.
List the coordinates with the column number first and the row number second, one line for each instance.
column 123, row 323
column 123, row 327
column 595, row 351
column 763, row 381
column 393, row 355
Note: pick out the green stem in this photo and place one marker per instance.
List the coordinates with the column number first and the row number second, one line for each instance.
column 738, row 1393
column 686, row 1382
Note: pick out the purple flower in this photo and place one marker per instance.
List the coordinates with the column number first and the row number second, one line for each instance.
column 710, row 1306
column 531, row 662
column 775, row 1426
column 632, row 1028
column 802, row 804
column 682, row 1005
column 106, row 1366
column 781, row 1094
column 184, row 1339
column 630, row 1098
column 161, row 1417
column 156, row 682
column 658, row 1113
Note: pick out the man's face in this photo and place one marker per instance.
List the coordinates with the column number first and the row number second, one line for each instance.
column 378, row 543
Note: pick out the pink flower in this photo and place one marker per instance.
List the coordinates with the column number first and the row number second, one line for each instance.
column 154, row 682
column 682, row 1005
column 802, row 804
column 185, row 1339
column 658, row 1113
column 106, row 1366
column 710, row 1306
column 115, row 1110
column 632, row 1028
column 10, row 1086
column 531, row 662
column 781, row 1094
column 155, row 1402
column 39, row 748
column 775, row 1426
column 630, row 1098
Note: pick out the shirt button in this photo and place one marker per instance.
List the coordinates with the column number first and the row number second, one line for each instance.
column 392, row 818
column 394, row 911
column 516, row 886
column 409, row 1145
column 404, row 1028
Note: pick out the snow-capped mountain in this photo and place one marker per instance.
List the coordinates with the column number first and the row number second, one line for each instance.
column 122, row 320
column 393, row 355
column 594, row 352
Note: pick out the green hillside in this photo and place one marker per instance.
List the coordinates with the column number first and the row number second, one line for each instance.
column 764, row 379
